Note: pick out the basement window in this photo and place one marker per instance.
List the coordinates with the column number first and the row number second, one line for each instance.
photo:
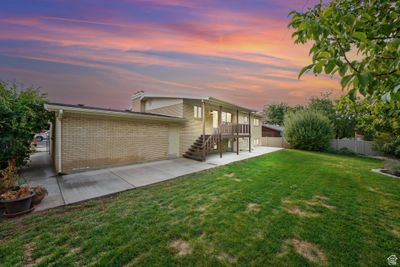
column 197, row 112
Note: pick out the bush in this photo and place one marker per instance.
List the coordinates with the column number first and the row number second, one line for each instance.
column 388, row 144
column 22, row 114
column 308, row 130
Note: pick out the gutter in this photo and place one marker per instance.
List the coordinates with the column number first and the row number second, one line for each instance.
column 111, row 113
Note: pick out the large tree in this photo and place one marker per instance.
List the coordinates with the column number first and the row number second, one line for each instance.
column 275, row 113
column 359, row 40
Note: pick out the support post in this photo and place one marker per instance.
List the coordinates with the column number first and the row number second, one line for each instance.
column 204, row 129
column 220, row 134
column 249, row 131
column 58, row 140
column 237, row 132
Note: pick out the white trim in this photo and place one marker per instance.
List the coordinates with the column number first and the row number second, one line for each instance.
column 176, row 96
column 83, row 110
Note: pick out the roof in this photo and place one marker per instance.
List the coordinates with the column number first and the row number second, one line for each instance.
column 274, row 127
column 142, row 95
column 110, row 112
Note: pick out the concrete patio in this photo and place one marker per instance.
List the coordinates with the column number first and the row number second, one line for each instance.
column 81, row 186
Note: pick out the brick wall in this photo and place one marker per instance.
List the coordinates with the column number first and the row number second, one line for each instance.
column 96, row 141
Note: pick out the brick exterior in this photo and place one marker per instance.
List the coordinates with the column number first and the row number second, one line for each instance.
column 91, row 141
column 97, row 141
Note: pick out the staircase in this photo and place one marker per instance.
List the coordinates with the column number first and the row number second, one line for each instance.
column 195, row 152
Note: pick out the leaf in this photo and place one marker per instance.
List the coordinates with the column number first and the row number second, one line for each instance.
column 361, row 36
column 329, row 67
column 318, row 67
column 305, row 69
column 396, row 88
column 343, row 70
column 324, row 55
column 363, row 79
column 386, row 97
column 352, row 94
column 345, row 80
column 355, row 82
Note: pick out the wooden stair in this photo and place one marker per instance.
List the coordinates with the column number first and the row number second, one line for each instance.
column 195, row 151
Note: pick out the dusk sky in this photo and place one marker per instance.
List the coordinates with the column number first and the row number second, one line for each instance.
column 100, row 52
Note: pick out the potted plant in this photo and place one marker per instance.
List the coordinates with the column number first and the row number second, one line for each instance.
column 40, row 193
column 17, row 200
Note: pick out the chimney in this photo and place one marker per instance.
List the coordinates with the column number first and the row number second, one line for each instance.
column 137, row 103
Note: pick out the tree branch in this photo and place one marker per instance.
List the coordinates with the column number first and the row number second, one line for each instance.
column 345, row 57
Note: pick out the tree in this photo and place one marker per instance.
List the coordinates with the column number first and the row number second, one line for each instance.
column 359, row 40
column 322, row 103
column 308, row 130
column 378, row 120
column 345, row 118
column 22, row 114
column 275, row 113
column 343, row 124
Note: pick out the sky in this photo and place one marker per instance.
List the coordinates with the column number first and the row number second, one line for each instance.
column 100, row 52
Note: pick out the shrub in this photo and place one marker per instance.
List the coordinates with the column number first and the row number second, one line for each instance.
column 388, row 144
column 308, row 130
column 22, row 114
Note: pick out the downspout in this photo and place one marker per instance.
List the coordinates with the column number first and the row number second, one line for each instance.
column 58, row 140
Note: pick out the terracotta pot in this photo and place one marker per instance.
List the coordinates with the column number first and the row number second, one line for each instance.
column 38, row 198
column 18, row 205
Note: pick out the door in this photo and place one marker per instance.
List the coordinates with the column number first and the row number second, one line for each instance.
column 215, row 119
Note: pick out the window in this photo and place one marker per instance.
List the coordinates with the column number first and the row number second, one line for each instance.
column 256, row 122
column 226, row 117
column 245, row 119
column 256, row 141
column 197, row 112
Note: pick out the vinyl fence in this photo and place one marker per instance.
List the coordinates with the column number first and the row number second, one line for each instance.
column 352, row 144
column 274, row 142
column 357, row 146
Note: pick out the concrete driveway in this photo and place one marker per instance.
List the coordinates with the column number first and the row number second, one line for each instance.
column 81, row 186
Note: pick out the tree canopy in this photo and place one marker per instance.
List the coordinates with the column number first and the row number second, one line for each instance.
column 275, row 113
column 359, row 40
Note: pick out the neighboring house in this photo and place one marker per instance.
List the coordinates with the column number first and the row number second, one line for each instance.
column 270, row 130
column 156, row 127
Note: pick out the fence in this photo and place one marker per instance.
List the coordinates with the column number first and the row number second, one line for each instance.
column 352, row 144
column 274, row 142
column 357, row 146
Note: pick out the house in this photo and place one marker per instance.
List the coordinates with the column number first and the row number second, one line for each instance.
column 157, row 127
column 271, row 130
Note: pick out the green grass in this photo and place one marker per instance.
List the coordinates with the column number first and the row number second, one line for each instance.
column 355, row 221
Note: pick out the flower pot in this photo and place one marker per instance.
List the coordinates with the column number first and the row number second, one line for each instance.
column 37, row 198
column 18, row 205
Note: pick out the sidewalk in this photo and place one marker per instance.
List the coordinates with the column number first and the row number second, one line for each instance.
column 81, row 186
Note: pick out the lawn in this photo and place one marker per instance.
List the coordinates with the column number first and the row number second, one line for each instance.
column 288, row 208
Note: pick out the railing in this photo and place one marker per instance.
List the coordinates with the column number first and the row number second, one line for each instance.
column 210, row 142
column 233, row 129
